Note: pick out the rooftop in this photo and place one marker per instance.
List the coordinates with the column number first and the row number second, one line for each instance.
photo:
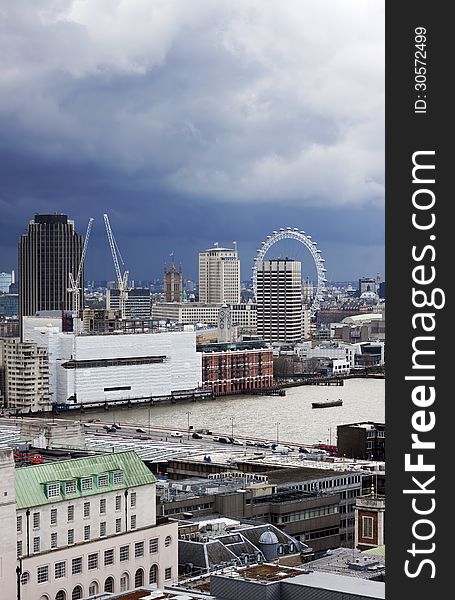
column 31, row 481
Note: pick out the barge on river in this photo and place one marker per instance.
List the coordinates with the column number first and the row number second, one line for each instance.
column 328, row 404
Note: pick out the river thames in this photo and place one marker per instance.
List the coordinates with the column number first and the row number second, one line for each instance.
column 291, row 417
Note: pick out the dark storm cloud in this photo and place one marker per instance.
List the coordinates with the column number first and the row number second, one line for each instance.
column 195, row 122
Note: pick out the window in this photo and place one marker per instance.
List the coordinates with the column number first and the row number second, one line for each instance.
column 70, row 537
column 108, row 558
column 124, row 579
column 87, row 532
column 118, row 477
column 138, row 550
column 133, row 499
column 153, row 574
column 42, row 574
column 70, row 487
column 367, row 527
column 133, row 521
column 109, row 585
column 19, row 524
column 36, row 544
column 54, row 540
column 153, row 545
column 70, row 513
column 92, row 561
column 25, row 577
column 86, row 509
column 103, row 481
column 168, row 573
column 139, row 578
column 60, row 595
column 118, row 503
column 102, row 528
column 76, row 565
column 77, row 593
column 118, row 525
column 60, row 569
column 53, row 490
column 102, row 506
column 86, row 484
column 19, row 548
column 124, row 553
column 36, row 520
column 167, row 541
column 93, row 589
column 53, row 516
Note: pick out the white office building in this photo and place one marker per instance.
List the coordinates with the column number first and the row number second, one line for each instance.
column 94, row 369
column 76, row 528
column 219, row 276
column 279, row 301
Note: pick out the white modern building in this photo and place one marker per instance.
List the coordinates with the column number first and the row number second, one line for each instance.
column 219, row 276
column 243, row 315
column 75, row 528
column 279, row 300
column 341, row 351
column 6, row 279
column 94, row 369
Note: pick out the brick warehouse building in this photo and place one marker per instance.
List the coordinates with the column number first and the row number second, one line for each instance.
column 230, row 368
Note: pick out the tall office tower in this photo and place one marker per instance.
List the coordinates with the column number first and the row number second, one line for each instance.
column 48, row 253
column 6, row 279
column 279, row 300
column 173, row 283
column 219, row 276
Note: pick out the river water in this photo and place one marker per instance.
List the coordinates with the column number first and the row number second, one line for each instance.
column 291, row 416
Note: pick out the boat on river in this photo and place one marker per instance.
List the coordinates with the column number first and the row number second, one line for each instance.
column 327, row 404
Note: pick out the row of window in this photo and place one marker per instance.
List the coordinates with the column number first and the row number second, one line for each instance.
column 302, row 515
column 109, row 583
column 36, row 516
column 56, row 488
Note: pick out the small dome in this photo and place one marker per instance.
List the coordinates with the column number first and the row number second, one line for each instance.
column 268, row 537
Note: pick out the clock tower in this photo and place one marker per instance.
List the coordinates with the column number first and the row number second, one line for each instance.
column 224, row 324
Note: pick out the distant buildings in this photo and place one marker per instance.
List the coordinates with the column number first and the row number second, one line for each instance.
column 76, row 528
column 48, row 252
column 219, row 276
column 279, row 301
column 138, row 304
column 190, row 313
column 6, row 280
column 9, row 305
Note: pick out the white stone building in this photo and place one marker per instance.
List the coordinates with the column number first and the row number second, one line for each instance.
column 76, row 528
column 94, row 369
column 219, row 276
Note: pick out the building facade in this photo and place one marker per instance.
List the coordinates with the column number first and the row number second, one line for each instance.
column 365, row 440
column 369, row 521
column 190, row 313
column 25, row 375
column 279, row 301
column 81, row 527
column 9, row 305
column 6, row 279
column 48, row 253
column 228, row 371
column 219, row 276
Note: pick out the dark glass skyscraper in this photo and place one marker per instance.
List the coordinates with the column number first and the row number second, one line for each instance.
column 48, row 252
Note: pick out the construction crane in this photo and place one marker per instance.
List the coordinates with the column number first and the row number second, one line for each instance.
column 122, row 280
column 75, row 283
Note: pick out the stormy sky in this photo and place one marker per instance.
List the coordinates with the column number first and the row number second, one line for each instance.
column 194, row 121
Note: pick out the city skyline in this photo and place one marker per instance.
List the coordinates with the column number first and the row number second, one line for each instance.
column 223, row 122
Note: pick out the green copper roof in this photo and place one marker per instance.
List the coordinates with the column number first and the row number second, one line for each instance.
column 31, row 489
